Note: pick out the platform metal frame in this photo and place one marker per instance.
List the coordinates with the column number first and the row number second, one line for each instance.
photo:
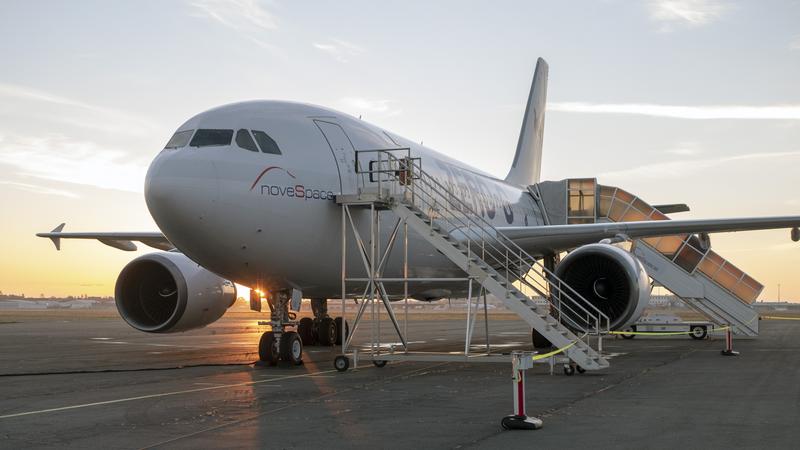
column 374, row 257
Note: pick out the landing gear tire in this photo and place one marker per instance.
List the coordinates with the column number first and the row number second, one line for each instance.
column 569, row 370
column 268, row 348
column 327, row 332
column 341, row 363
column 291, row 348
column 539, row 341
column 379, row 363
column 306, row 331
column 698, row 332
column 338, row 321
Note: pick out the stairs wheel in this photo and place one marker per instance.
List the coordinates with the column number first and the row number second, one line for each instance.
column 628, row 336
column 698, row 332
column 569, row 370
column 341, row 363
column 580, row 369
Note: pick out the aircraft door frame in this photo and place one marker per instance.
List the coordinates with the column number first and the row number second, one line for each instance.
column 344, row 153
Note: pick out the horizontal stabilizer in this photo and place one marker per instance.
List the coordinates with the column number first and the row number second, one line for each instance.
column 56, row 239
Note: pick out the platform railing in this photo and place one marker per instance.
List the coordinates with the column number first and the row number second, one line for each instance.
column 403, row 175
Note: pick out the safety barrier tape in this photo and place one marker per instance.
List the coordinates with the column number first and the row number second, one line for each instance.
column 554, row 352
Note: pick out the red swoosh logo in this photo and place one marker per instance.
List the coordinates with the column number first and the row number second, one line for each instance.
column 264, row 172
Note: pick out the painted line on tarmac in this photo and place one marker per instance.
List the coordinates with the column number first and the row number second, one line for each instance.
column 163, row 394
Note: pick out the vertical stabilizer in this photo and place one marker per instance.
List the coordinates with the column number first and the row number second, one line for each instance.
column 527, row 165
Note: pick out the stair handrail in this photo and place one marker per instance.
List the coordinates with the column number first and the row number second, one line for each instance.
column 409, row 171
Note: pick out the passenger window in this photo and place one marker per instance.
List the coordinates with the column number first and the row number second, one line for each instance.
column 266, row 143
column 244, row 140
column 208, row 138
column 179, row 139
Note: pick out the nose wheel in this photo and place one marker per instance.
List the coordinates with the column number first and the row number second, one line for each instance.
column 291, row 348
column 288, row 347
column 268, row 348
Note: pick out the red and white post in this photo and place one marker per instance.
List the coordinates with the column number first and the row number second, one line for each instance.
column 729, row 351
column 521, row 361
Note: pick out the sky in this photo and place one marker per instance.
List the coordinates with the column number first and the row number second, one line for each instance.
column 693, row 101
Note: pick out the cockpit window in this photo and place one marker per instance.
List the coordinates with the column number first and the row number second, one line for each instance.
column 207, row 138
column 179, row 139
column 267, row 144
column 244, row 140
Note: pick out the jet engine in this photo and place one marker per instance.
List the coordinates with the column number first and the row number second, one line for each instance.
column 609, row 278
column 167, row 292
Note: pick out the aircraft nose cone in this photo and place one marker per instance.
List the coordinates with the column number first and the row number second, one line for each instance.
column 181, row 192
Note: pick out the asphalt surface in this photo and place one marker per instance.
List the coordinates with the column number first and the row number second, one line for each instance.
column 96, row 383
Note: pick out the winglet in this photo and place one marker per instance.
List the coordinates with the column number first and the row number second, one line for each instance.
column 56, row 239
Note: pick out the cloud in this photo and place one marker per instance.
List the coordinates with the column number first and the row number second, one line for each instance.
column 791, row 112
column 55, row 157
column 692, row 13
column 39, row 189
column 684, row 168
column 248, row 18
column 362, row 105
column 81, row 114
column 243, row 16
column 685, row 149
column 339, row 50
column 795, row 43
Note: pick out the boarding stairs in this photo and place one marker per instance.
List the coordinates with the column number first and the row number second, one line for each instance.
column 454, row 228
column 683, row 264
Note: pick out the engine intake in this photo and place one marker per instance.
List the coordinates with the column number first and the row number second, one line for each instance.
column 167, row 292
column 609, row 278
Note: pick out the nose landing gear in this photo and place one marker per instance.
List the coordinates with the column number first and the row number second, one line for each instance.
column 288, row 336
column 280, row 343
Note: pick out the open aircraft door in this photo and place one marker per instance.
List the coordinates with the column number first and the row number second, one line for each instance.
column 343, row 152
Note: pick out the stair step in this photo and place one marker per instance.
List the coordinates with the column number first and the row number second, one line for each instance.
column 581, row 353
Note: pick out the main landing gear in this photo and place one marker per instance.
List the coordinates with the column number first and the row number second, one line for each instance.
column 322, row 329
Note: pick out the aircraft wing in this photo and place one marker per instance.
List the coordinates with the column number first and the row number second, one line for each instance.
column 122, row 241
column 555, row 238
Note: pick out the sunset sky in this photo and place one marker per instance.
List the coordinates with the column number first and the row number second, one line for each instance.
column 694, row 101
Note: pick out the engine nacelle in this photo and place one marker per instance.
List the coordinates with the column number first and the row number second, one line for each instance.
column 611, row 279
column 167, row 292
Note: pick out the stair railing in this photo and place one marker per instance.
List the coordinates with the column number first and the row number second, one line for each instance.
column 454, row 216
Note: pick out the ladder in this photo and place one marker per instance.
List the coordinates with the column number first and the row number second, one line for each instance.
column 453, row 227
column 704, row 280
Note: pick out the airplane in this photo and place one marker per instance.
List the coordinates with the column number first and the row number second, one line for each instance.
column 247, row 193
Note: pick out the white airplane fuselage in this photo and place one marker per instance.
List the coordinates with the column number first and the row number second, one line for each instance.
column 270, row 221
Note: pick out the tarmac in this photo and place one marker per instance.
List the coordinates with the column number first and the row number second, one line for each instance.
column 93, row 382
